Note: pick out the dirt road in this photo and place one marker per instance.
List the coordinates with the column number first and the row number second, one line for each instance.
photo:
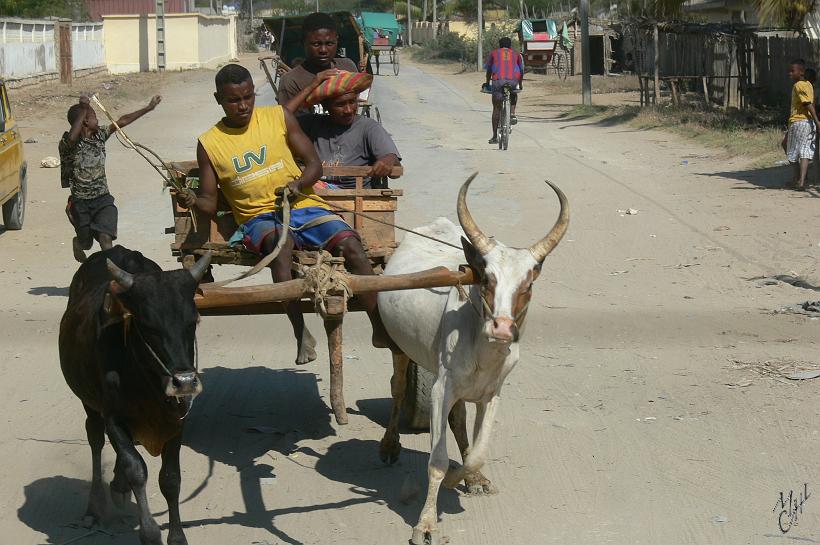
column 627, row 420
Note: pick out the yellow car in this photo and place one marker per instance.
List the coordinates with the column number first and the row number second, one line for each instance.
column 12, row 166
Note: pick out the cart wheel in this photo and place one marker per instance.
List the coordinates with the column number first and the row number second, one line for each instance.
column 378, row 114
column 562, row 67
column 417, row 400
column 395, row 58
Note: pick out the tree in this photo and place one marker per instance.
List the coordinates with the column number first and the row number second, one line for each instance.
column 788, row 13
column 71, row 9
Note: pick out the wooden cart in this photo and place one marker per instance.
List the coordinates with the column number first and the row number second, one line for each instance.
column 321, row 283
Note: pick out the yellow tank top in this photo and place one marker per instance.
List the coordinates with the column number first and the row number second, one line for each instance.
column 252, row 162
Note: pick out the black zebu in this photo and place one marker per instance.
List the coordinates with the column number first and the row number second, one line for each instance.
column 127, row 350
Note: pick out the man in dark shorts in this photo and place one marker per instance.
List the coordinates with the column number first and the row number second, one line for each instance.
column 505, row 66
column 90, row 207
column 321, row 42
column 342, row 137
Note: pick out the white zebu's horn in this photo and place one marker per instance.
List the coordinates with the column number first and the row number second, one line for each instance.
column 541, row 249
column 479, row 240
column 200, row 267
column 124, row 278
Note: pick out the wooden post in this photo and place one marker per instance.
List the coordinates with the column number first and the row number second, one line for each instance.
column 333, row 328
column 480, row 61
column 674, row 91
column 586, row 77
column 435, row 20
column 409, row 25
column 706, row 98
column 657, row 65
column 64, row 55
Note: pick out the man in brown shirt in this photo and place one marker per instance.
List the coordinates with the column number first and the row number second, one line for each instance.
column 321, row 41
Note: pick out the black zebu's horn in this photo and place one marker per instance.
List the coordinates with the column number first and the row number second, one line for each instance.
column 200, row 267
column 123, row 278
column 541, row 249
column 479, row 240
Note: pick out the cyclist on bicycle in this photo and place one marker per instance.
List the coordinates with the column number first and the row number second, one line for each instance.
column 505, row 66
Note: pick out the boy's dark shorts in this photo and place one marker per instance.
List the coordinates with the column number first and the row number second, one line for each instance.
column 91, row 217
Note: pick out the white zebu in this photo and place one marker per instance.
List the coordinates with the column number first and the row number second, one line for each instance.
column 470, row 345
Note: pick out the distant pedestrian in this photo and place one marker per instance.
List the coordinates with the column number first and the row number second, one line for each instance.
column 90, row 207
column 799, row 141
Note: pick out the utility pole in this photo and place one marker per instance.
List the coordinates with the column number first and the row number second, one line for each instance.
column 160, row 35
column 480, row 61
column 435, row 20
column 409, row 25
column 586, row 78
column 317, row 6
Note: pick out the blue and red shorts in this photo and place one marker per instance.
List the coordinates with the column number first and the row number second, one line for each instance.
column 312, row 228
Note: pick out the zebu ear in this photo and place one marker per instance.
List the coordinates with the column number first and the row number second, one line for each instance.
column 474, row 257
column 114, row 312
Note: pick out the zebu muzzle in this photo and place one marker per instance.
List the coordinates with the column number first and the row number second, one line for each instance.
column 182, row 385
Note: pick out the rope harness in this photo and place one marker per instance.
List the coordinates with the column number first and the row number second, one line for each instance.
column 325, row 278
column 485, row 309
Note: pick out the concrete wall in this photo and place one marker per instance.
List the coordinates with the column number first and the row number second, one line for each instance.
column 192, row 40
column 87, row 45
column 28, row 51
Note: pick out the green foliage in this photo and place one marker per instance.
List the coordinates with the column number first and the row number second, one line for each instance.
column 71, row 9
column 454, row 47
column 789, row 13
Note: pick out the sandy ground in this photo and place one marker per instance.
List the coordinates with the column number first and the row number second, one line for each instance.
column 627, row 421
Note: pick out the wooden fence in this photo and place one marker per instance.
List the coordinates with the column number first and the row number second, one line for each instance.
column 735, row 70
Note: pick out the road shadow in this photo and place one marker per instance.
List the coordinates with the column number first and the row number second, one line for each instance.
column 50, row 498
column 244, row 413
column 49, row 291
column 774, row 178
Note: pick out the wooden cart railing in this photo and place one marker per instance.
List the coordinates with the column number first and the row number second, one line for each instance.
column 212, row 235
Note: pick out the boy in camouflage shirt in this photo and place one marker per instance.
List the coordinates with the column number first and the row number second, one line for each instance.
column 90, row 208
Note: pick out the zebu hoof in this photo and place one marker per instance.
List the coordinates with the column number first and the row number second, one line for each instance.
column 89, row 521
column 150, row 534
column 425, row 536
column 479, row 485
column 389, row 449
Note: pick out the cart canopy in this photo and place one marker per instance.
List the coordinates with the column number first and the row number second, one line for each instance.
column 380, row 28
column 287, row 32
column 542, row 30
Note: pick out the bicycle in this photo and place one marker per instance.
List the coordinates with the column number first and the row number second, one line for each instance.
column 504, row 124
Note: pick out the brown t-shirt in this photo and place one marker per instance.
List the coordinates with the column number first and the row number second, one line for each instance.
column 300, row 77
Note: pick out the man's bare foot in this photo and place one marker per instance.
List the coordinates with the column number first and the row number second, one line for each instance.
column 305, row 348
column 79, row 254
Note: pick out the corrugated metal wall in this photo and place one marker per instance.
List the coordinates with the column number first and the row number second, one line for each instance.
column 98, row 8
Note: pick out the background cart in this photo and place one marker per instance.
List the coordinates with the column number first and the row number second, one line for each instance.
column 381, row 32
column 544, row 47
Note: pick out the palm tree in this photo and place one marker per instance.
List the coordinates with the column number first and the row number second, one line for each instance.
column 788, row 13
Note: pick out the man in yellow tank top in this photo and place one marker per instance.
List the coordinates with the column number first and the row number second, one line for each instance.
column 249, row 156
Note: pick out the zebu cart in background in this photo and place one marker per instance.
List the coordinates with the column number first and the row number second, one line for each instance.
column 290, row 51
column 381, row 32
column 322, row 284
column 544, row 47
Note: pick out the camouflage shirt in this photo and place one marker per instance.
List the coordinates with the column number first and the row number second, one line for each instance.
column 82, row 165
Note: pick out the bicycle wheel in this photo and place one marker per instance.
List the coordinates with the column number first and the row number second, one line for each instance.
column 504, row 136
column 395, row 58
